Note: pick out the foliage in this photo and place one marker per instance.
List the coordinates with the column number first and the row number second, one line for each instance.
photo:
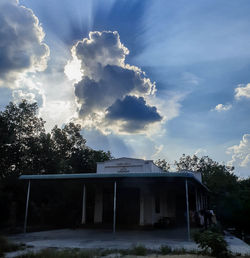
column 165, row 249
column 212, row 242
column 229, row 196
column 21, row 129
column 26, row 148
column 7, row 246
column 212, row 172
column 138, row 250
column 163, row 164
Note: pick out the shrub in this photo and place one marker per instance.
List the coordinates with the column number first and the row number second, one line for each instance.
column 165, row 249
column 212, row 242
column 6, row 246
column 139, row 250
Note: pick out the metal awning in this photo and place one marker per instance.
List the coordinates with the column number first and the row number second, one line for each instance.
column 115, row 176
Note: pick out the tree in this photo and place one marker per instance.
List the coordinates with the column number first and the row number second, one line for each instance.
column 21, row 129
column 222, row 183
column 71, row 152
column 163, row 164
column 213, row 173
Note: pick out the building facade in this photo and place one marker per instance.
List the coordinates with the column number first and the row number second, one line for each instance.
column 130, row 193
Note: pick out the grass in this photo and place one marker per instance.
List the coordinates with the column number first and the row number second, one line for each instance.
column 135, row 250
column 53, row 253
column 7, row 246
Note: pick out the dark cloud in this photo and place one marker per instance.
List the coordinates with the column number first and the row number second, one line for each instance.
column 21, row 46
column 115, row 83
column 134, row 112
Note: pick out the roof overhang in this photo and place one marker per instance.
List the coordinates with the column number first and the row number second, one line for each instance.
column 116, row 176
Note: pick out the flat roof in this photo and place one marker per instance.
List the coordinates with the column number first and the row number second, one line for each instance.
column 107, row 175
column 113, row 176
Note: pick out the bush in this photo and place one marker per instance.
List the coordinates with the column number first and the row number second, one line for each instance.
column 139, row 250
column 165, row 249
column 6, row 246
column 212, row 242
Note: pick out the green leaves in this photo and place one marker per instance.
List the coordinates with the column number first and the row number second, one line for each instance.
column 212, row 242
column 25, row 147
column 163, row 164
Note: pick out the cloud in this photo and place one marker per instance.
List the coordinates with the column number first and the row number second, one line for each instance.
column 240, row 153
column 107, row 81
column 21, row 43
column 133, row 112
column 57, row 112
column 200, row 152
column 221, row 107
column 242, row 91
column 158, row 150
column 19, row 95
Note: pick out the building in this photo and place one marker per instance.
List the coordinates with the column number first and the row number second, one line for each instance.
column 129, row 192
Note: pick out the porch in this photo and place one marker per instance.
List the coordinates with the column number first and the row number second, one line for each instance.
column 128, row 200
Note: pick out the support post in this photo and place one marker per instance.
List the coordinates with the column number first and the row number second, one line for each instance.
column 141, row 208
column 196, row 200
column 187, row 211
column 27, row 208
column 84, row 204
column 114, row 215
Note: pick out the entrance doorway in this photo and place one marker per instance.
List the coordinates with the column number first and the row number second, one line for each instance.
column 128, row 206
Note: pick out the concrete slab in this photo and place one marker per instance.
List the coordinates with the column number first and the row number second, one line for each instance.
column 236, row 245
column 86, row 238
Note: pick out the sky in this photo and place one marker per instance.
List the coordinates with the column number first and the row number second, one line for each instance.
column 145, row 79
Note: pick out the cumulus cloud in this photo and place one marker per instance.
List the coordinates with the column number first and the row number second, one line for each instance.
column 133, row 113
column 21, row 43
column 242, row 91
column 19, row 95
column 108, row 84
column 30, row 89
column 240, row 153
column 221, row 107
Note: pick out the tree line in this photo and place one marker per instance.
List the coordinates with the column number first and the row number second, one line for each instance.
column 25, row 147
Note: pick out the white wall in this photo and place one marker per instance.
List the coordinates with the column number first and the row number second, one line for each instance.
column 127, row 165
column 98, row 205
column 167, row 206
